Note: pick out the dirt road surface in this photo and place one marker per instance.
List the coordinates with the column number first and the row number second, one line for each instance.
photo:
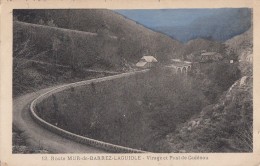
column 37, row 136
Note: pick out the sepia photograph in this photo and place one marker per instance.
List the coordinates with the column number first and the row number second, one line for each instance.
column 132, row 80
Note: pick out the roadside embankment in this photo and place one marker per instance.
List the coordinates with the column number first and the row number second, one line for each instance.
column 53, row 108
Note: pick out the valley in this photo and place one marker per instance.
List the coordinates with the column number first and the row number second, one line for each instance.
column 156, row 111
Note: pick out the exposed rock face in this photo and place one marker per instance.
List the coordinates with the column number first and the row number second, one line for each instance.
column 223, row 127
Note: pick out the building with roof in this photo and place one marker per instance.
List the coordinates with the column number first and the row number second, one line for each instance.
column 210, row 56
column 147, row 62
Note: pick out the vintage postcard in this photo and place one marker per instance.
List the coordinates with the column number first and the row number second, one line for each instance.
column 129, row 82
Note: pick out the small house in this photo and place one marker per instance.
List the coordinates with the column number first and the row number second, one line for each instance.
column 147, row 62
column 210, row 56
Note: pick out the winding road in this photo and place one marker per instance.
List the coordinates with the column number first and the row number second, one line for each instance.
column 37, row 136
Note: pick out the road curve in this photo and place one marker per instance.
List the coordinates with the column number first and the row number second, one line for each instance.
column 37, row 136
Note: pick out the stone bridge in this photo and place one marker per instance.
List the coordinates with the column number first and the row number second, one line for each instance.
column 183, row 68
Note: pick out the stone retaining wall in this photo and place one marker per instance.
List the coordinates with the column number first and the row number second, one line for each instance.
column 84, row 140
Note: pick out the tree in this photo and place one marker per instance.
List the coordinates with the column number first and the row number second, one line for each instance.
column 51, row 23
column 41, row 22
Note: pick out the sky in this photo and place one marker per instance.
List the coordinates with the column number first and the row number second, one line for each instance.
column 185, row 24
column 165, row 17
column 170, row 17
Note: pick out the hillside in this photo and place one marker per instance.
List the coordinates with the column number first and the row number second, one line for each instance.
column 242, row 46
column 60, row 45
column 219, row 25
column 132, row 39
column 236, row 48
column 193, row 48
column 226, row 125
column 209, row 110
column 241, row 43
column 222, row 127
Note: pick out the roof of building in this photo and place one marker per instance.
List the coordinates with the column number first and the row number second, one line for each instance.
column 149, row 59
column 141, row 64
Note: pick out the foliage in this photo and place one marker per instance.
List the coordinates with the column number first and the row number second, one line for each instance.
column 137, row 112
column 222, row 127
column 20, row 146
column 111, row 25
column 216, row 77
